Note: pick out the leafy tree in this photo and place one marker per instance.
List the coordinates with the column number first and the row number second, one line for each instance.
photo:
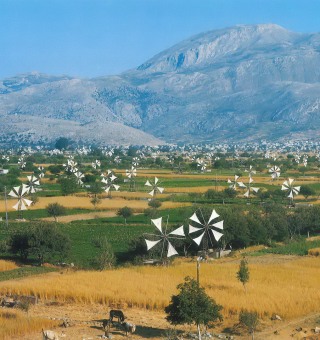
column 307, row 191
column 46, row 241
column 249, row 320
column 229, row 193
column 243, row 273
column 192, row 306
column 69, row 185
column 154, row 204
column 55, row 210
column 55, row 169
column 18, row 243
column 95, row 189
column 125, row 212
column 106, row 258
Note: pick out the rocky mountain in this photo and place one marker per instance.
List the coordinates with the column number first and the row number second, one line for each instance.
column 239, row 83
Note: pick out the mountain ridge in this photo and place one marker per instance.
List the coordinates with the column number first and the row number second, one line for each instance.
column 246, row 82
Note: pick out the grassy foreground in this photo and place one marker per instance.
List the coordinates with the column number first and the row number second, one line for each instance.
column 287, row 287
column 16, row 323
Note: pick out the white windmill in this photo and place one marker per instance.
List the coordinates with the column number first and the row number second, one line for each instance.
column 135, row 162
column 131, row 174
column 33, row 183
column 109, row 183
column 71, row 166
column 275, row 172
column 235, row 183
column 19, row 193
column 250, row 188
column 201, row 164
column 204, row 230
column 288, row 186
column 117, row 160
column 21, row 162
column 41, row 169
column 154, row 187
column 163, row 238
column 96, row 164
column 79, row 175
column 305, row 160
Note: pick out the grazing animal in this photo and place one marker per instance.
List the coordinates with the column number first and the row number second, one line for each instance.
column 106, row 324
column 49, row 335
column 128, row 327
column 116, row 313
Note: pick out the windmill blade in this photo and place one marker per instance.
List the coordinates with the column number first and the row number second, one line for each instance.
column 16, row 206
column 216, row 235
column 23, row 206
column 112, row 178
column 290, row 194
column 179, row 232
column 156, row 180
column 198, row 239
column 151, row 244
column 290, row 180
column 161, row 190
column 194, row 218
column 193, row 229
column 157, row 222
column 12, row 193
column 218, row 225
column 250, row 180
column 27, row 202
column 213, row 216
column 107, row 189
column 246, row 194
column 254, row 189
column 296, row 190
column 283, row 187
column 24, row 189
column 241, row 185
column 148, row 183
column 116, row 187
column 229, row 181
column 171, row 250
column 151, row 192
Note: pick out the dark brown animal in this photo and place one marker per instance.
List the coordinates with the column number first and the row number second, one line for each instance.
column 128, row 327
column 116, row 313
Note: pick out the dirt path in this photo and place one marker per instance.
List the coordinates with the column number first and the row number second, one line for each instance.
column 86, row 324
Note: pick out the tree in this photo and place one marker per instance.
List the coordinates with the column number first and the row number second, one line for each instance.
column 106, row 258
column 68, row 185
column 243, row 273
column 55, row 210
column 307, row 191
column 95, row 189
column 249, row 320
column 18, row 243
column 125, row 212
column 192, row 306
column 154, row 204
column 44, row 240
column 47, row 241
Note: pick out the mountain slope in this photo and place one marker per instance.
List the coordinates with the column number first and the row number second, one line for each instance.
column 240, row 83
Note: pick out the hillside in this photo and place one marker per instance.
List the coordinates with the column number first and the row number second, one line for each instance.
column 240, row 83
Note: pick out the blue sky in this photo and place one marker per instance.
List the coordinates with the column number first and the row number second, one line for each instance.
column 88, row 38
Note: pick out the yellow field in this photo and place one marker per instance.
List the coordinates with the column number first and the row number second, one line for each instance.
column 16, row 323
column 7, row 265
column 288, row 286
column 84, row 203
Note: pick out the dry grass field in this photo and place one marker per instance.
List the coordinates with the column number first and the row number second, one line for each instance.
column 286, row 285
column 16, row 324
column 7, row 265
